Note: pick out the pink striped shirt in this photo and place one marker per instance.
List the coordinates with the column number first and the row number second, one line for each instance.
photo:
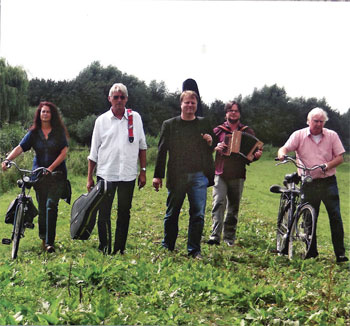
column 312, row 153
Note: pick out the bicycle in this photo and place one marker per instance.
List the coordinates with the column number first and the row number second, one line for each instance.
column 23, row 205
column 296, row 220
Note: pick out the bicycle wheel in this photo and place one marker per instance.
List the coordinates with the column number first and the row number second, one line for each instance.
column 302, row 232
column 282, row 224
column 17, row 229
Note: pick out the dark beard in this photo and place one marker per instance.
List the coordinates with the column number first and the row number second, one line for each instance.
column 232, row 121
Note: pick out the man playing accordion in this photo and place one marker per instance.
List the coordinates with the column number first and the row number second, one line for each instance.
column 230, row 173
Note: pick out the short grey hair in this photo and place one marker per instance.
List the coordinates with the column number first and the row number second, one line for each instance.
column 315, row 111
column 118, row 87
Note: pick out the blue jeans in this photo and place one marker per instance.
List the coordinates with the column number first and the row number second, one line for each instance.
column 195, row 186
column 326, row 190
column 125, row 193
column 48, row 192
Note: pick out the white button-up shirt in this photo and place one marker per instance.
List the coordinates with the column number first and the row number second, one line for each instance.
column 115, row 156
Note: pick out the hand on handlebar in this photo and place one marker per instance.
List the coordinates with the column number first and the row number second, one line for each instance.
column 281, row 157
column 6, row 164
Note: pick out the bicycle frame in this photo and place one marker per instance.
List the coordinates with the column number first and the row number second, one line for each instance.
column 22, row 199
column 293, row 198
column 22, row 205
column 294, row 202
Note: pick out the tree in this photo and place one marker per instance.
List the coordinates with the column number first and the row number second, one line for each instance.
column 267, row 112
column 82, row 130
column 13, row 93
column 216, row 113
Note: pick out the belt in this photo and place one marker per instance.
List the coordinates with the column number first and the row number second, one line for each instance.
column 324, row 180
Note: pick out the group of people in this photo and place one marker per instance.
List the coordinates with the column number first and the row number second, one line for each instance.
column 185, row 156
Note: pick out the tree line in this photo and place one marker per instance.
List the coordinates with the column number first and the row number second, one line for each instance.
column 269, row 110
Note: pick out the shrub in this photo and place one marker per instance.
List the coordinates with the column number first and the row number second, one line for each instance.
column 152, row 141
column 8, row 179
column 77, row 162
column 10, row 136
column 269, row 151
column 82, row 130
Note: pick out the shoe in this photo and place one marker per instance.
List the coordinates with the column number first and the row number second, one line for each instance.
column 311, row 255
column 43, row 244
column 104, row 249
column 116, row 251
column 342, row 259
column 197, row 255
column 230, row 243
column 50, row 249
column 213, row 242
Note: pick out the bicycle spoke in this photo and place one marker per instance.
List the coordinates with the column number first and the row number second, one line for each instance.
column 17, row 233
column 302, row 232
column 282, row 225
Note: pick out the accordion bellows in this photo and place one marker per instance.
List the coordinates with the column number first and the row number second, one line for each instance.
column 242, row 143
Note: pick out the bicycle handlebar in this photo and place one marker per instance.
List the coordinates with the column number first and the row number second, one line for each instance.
column 10, row 163
column 298, row 165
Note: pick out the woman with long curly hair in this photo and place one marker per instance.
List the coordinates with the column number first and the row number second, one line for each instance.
column 48, row 137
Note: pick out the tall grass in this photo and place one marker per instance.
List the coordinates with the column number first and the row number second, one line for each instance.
column 243, row 285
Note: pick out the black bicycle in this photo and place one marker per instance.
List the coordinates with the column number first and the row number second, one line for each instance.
column 22, row 212
column 296, row 220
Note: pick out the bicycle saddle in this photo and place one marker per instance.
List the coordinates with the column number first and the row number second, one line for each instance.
column 278, row 189
column 293, row 177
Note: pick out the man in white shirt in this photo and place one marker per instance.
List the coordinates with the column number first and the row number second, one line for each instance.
column 118, row 142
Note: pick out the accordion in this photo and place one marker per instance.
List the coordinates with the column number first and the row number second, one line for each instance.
column 242, row 143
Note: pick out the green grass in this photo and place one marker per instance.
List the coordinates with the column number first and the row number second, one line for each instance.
column 243, row 285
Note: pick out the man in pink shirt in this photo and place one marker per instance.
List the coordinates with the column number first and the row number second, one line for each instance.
column 317, row 145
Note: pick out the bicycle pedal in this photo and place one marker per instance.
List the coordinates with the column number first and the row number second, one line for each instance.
column 6, row 241
column 29, row 225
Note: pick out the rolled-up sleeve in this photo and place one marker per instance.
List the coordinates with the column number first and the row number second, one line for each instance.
column 26, row 142
column 140, row 131
column 293, row 141
column 95, row 142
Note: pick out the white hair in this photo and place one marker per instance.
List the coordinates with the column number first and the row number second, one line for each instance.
column 316, row 111
column 118, row 87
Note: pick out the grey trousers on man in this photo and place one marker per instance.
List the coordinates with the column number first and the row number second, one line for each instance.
column 226, row 196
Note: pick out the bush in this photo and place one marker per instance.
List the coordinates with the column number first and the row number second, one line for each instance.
column 82, row 130
column 152, row 141
column 152, row 155
column 269, row 151
column 10, row 136
column 8, row 179
column 77, row 162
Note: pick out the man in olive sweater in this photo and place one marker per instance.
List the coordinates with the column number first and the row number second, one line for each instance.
column 190, row 170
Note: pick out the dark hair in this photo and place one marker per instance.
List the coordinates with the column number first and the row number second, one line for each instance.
column 56, row 121
column 229, row 105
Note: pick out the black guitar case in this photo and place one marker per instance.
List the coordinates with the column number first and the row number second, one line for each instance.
column 191, row 85
column 84, row 210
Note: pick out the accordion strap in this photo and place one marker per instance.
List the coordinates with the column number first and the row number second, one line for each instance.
column 223, row 127
column 130, row 125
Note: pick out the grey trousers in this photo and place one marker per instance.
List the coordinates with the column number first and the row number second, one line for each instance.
column 227, row 195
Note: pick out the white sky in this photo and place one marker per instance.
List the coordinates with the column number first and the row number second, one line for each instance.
column 228, row 47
